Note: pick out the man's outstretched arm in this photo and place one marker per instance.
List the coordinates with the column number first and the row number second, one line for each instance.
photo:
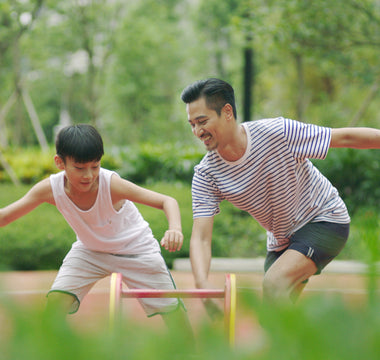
column 356, row 138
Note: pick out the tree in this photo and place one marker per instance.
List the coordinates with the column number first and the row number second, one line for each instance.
column 338, row 36
column 145, row 74
column 16, row 20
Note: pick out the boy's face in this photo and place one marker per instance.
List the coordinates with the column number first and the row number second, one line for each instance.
column 81, row 176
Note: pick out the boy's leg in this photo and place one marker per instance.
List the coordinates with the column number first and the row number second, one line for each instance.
column 79, row 271
column 149, row 271
column 178, row 321
column 59, row 304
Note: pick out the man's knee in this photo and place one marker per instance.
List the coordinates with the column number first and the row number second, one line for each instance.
column 275, row 286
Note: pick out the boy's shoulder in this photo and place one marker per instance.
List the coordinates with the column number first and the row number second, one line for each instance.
column 43, row 191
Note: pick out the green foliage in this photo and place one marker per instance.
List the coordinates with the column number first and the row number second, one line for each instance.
column 356, row 175
column 320, row 327
column 40, row 240
column 124, row 70
column 149, row 163
column 237, row 234
column 168, row 169
column 37, row 241
column 30, row 165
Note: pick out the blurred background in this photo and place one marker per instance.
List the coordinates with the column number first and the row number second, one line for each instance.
column 122, row 65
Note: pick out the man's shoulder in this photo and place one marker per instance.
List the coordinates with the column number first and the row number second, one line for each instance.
column 264, row 122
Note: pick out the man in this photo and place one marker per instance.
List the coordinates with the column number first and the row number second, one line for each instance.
column 262, row 167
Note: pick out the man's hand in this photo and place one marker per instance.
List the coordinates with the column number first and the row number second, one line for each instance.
column 172, row 240
column 214, row 311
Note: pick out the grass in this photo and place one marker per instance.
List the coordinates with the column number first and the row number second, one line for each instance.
column 40, row 240
column 319, row 327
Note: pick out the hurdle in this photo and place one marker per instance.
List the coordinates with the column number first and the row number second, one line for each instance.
column 228, row 293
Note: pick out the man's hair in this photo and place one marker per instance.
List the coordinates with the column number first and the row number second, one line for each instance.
column 216, row 92
column 80, row 142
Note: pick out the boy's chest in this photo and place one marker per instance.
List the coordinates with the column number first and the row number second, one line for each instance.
column 84, row 201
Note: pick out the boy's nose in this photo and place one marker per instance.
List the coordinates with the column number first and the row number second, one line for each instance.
column 87, row 173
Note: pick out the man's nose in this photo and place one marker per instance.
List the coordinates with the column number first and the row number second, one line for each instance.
column 198, row 131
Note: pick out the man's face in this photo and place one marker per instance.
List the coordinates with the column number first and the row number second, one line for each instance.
column 204, row 122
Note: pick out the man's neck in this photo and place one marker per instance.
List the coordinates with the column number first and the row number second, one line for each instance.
column 236, row 146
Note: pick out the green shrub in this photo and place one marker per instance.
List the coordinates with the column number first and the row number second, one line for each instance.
column 30, row 165
column 149, row 163
column 143, row 163
column 356, row 175
column 41, row 239
column 38, row 241
column 319, row 327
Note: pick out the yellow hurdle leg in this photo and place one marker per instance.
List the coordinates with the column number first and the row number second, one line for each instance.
column 230, row 308
column 115, row 295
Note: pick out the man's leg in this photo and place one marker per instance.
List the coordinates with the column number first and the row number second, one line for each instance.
column 284, row 279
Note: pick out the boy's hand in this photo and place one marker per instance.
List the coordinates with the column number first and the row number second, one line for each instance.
column 172, row 240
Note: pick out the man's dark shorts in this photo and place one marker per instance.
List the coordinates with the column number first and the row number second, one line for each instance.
column 319, row 241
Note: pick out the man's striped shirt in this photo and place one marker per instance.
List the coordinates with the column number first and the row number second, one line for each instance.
column 273, row 181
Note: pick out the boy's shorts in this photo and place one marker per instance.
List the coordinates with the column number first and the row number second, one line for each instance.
column 319, row 241
column 82, row 268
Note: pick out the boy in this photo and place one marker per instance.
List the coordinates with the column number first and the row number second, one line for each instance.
column 111, row 234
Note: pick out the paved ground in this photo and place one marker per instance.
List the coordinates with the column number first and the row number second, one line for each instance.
column 30, row 288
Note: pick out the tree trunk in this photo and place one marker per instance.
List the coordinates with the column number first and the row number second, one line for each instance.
column 301, row 87
column 3, row 113
column 248, row 81
column 371, row 95
column 35, row 120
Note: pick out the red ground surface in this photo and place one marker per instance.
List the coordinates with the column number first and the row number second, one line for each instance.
column 30, row 288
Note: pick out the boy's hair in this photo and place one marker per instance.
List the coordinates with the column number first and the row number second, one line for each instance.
column 80, row 142
column 216, row 92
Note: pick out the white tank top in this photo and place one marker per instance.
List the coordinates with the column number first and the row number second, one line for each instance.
column 102, row 228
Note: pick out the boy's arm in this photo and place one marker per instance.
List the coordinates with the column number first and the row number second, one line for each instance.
column 357, row 138
column 38, row 194
column 122, row 189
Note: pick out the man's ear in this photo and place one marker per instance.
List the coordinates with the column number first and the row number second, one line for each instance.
column 59, row 162
column 228, row 111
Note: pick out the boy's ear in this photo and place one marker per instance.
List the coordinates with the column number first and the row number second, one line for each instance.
column 59, row 162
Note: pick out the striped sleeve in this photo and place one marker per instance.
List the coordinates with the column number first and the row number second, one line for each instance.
column 307, row 140
column 205, row 197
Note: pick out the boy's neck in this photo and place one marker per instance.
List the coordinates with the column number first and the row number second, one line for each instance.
column 84, row 200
